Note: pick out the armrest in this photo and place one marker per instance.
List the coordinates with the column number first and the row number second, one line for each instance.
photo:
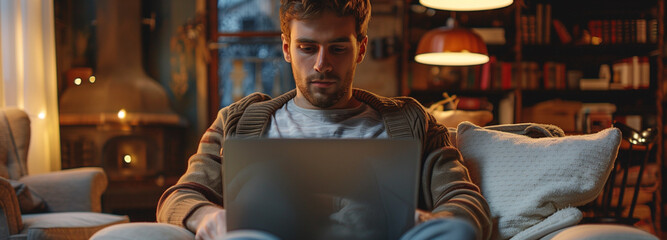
column 70, row 190
column 600, row 231
column 10, row 212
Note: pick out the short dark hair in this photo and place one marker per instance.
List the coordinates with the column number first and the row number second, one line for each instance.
column 308, row 9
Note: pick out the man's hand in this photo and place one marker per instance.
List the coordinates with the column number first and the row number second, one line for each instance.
column 208, row 222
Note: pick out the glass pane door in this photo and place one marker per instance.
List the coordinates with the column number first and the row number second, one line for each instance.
column 249, row 50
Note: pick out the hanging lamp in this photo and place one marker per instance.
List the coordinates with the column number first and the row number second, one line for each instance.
column 451, row 46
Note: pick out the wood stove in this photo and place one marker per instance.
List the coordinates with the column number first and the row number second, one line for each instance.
column 120, row 119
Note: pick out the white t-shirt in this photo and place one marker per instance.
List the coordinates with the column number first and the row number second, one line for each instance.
column 292, row 121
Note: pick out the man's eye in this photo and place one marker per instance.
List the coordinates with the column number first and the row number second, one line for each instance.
column 307, row 49
column 337, row 49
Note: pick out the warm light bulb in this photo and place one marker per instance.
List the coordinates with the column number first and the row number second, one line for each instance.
column 41, row 115
column 92, row 79
column 127, row 158
column 122, row 114
column 77, row 81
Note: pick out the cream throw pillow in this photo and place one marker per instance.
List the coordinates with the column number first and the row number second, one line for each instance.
column 526, row 180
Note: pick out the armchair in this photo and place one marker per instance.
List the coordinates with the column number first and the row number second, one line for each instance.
column 57, row 205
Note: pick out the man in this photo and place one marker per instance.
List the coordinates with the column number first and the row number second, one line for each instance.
column 324, row 41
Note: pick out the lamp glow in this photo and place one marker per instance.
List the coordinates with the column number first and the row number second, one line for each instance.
column 77, row 81
column 122, row 114
column 452, row 58
column 41, row 115
column 92, row 79
column 127, row 158
column 465, row 5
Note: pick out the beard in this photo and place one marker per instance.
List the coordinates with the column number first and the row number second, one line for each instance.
column 320, row 97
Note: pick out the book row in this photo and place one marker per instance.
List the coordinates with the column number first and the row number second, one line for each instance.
column 628, row 73
column 536, row 29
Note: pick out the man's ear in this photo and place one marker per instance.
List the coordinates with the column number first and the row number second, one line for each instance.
column 286, row 52
column 362, row 49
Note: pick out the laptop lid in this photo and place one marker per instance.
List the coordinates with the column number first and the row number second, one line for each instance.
column 321, row 188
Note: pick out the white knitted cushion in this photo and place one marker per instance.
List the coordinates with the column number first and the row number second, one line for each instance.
column 525, row 180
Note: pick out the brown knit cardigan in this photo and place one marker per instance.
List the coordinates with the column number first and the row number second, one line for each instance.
column 446, row 188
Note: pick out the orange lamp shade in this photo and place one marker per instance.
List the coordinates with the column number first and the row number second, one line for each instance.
column 447, row 46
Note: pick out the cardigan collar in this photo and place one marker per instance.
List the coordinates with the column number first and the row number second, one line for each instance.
column 256, row 117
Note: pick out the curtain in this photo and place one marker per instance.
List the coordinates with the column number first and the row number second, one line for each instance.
column 28, row 74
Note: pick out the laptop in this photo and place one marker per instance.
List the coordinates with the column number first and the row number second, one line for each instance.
column 321, row 188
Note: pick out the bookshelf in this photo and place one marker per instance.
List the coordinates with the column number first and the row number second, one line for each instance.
column 580, row 51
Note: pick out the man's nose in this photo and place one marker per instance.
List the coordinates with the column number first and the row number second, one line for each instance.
column 322, row 64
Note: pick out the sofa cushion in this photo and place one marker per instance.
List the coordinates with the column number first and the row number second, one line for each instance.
column 600, row 232
column 560, row 219
column 144, row 231
column 525, row 180
column 67, row 225
column 29, row 200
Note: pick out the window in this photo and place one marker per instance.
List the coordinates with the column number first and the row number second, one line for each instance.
column 249, row 55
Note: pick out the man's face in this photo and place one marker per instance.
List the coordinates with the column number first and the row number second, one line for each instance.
column 324, row 53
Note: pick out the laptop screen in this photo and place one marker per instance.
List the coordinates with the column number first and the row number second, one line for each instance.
column 321, row 188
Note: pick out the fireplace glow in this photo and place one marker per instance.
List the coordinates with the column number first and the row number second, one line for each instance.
column 122, row 113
